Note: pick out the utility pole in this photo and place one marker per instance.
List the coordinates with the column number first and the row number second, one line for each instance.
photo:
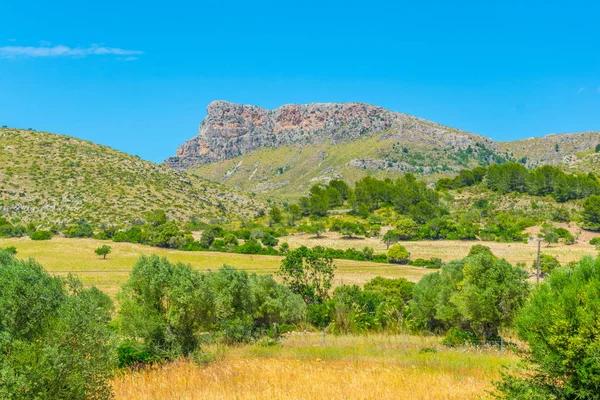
column 537, row 275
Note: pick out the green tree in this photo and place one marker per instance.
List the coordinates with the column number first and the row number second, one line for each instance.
column 156, row 217
column 207, row 238
column 548, row 234
column 560, row 326
column 591, row 213
column 103, row 251
column 55, row 342
column 547, row 264
column 315, row 228
column 390, row 237
column 406, row 229
column 491, row 293
column 398, row 254
column 275, row 216
column 309, row 273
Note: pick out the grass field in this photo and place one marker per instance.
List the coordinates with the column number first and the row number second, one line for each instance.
column 449, row 250
column 61, row 256
column 311, row 366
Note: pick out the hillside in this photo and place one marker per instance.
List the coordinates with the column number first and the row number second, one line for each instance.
column 284, row 151
column 46, row 177
column 573, row 151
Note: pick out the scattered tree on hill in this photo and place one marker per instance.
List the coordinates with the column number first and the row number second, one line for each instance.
column 275, row 216
column 591, row 213
column 103, row 251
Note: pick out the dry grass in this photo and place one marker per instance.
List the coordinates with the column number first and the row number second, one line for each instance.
column 449, row 250
column 61, row 256
column 347, row 367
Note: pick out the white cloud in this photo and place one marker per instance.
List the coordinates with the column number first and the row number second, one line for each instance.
column 63, row 51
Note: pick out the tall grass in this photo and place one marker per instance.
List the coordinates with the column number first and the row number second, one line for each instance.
column 312, row 366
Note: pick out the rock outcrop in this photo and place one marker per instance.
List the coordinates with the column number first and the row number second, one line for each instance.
column 230, row 130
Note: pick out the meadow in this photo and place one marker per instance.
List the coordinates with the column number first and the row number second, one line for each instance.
column 315, row 366
column 62, row 256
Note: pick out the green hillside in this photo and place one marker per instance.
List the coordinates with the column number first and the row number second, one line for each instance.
column 49, row 178
column 289, row 171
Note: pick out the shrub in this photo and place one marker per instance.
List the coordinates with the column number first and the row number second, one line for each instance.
column 41, row 235
column 398, row 254
column 560, row 326
column 54, row 337
column 103, row 251
column 165, row 307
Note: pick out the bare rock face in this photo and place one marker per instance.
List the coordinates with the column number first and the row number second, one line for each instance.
column 230, row 130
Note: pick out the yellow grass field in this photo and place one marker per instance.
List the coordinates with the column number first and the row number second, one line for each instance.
column 449, row 250
column 62, row 255
column 309, row 366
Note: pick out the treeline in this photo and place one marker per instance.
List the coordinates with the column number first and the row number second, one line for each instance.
column 514, row 177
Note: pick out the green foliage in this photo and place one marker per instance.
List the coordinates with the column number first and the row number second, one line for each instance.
column 591, row 213
column 54, row 337
column 398, row 254
column 479, row 294
column 547, row 264
column 549, row 234
column 166, row 307
column 41, row 235
column 103, row 251
column 480, row 249
column 275, row 215
column 309, row 273
column 560, row 326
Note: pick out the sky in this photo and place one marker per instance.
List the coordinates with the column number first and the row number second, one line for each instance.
column 137, row 76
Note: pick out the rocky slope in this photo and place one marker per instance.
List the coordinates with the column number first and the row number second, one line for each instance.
column 573, row 151
column 48, row 178
column 287, row 149
column 231, row 130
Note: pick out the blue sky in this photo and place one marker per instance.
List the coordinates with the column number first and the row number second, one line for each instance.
column 137, row 76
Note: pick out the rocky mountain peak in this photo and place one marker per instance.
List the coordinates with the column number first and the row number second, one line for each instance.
column 230, row 130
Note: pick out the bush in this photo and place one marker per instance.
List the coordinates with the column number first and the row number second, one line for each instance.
column 165, row 307
column 398, row 254
column 41, row 235
column 560, row 326
column 55, row 342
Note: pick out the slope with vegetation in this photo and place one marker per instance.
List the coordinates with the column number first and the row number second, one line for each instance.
column 54, row 179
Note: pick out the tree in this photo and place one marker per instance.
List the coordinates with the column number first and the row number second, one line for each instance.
column 398, row 254
column 560, row 326
column 547, row 264
column 230, row 240
column 56, row 342
column 591, row 213
column 207, row 238
column 309, row 273
column 104, row 250
column 597, row 148
column 490, row 294
column 390, row 237
column 315, row 227
column 548, row 233
column 275, row 216
column 156, row 217
column 406, row 229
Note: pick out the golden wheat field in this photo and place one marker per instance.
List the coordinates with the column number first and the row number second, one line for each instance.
column 311, row 366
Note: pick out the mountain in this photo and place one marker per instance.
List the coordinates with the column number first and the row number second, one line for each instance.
column 56, row 179
column 284, row 151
